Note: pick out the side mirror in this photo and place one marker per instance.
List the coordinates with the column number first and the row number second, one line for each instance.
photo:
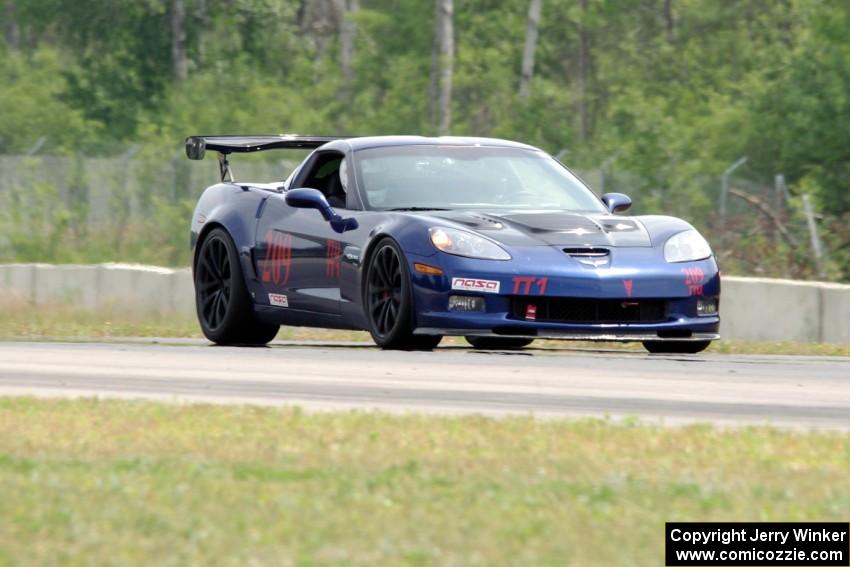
column 306, row 198
column 616, row 202
column 310, row 199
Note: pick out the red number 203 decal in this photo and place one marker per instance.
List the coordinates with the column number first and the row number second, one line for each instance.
column 278, row 257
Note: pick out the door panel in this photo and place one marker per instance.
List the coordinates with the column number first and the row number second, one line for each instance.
column 297, row 257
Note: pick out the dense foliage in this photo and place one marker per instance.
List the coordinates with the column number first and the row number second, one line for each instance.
column 662, row 95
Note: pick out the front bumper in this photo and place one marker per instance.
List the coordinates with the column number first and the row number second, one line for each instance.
column 673, row 284
column 501, row 324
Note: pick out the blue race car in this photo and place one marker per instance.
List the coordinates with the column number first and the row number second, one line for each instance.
column 414, row 238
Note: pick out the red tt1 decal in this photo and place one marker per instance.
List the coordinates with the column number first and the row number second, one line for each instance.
column 332, row 263
column 629, row 285
column 523, row 285
column 278, row 257
column 694, row 280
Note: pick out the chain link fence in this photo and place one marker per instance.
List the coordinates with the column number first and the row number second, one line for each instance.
column 136, row 207
column 109, row 190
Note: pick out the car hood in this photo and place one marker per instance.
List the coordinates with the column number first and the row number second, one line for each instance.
column 548, row 228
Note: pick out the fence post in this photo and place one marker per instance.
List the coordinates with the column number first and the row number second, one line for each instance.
column 724, row 192
column 778, row 182
column 603, row 169
column 813, row 233
column 37, row 146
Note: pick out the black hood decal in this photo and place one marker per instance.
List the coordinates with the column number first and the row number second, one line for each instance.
column 553, row 228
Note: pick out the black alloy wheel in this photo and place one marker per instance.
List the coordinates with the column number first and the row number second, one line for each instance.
column 385, row 290
column 388, row 301
column 214, row 282
column 225, row 310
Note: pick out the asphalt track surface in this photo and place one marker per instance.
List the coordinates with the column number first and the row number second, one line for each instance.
column 785, row 391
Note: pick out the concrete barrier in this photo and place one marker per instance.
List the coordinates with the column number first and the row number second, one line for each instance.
column 19, row 280
column 182, row 292
column 835, row 325
column 757, row 309
column 762, row 309
column 76, row 284
column 115, row 286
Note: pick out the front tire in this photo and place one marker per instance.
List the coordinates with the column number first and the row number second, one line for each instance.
column 675, row 347
column 225, row 310
column 388, row 300
column 497, row 343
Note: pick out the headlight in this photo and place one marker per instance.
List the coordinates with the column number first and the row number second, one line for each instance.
column 462, row 243
column 686, row 246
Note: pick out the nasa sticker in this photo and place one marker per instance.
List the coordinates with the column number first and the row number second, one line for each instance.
column 470, row 284
column 278, row 300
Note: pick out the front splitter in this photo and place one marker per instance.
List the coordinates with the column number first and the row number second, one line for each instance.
column 566, row 336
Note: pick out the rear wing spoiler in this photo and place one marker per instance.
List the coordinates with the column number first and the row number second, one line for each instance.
column 196, row 146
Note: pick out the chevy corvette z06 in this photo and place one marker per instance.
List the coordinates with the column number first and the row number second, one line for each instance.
column 414, row 238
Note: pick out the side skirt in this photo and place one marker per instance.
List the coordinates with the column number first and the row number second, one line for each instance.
column 299, row 318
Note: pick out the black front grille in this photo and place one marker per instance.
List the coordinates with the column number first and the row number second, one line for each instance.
column 581, row 310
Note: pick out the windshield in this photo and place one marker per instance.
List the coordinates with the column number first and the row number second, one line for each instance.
column 468, row 177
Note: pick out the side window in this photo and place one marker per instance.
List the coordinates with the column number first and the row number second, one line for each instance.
column 324, row 175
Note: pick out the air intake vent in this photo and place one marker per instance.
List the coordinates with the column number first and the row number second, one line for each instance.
column 582, row 310
column 587, row 252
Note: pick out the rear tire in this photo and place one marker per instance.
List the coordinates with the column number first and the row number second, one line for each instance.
column 675, row 347
column 388, row 301
column 225, row 310
column 498, row 343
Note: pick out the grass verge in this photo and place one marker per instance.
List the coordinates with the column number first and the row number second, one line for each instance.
column 96, row 482
column 22, row 321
